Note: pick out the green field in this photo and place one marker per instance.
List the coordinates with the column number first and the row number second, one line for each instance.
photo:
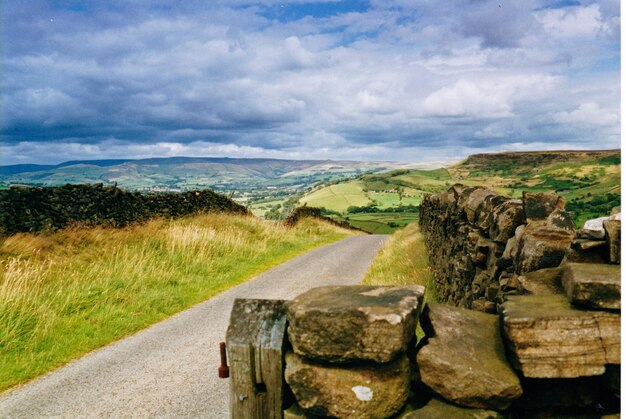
column 338, row 197
column 588, row 180
column 381, row 223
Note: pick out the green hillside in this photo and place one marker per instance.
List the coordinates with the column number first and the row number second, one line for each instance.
column 589, row 180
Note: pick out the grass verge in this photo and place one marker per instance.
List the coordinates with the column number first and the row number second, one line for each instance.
column 403, row 260
column 65, row 294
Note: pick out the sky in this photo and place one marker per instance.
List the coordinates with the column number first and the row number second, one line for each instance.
column 405, row 80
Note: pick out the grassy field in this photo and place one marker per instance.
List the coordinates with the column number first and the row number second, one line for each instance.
column 589, row 181
column 338, row 197
column 67, row 293
column 381, row 223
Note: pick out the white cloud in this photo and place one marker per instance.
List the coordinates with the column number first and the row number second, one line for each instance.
column 589, row 114
column 573, row 22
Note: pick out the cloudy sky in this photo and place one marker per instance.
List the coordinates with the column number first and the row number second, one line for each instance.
column 406, row 80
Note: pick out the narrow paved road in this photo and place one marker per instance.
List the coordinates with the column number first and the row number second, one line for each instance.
column 170, row 369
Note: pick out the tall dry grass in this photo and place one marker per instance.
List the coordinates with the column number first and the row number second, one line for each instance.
column 403, row 260
column 64, row 294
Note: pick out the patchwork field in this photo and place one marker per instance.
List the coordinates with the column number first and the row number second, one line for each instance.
column 588, row 180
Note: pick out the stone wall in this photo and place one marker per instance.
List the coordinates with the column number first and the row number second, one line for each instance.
column 482, row 246
column 26, row 209
column 352, row 353
column 299, row 213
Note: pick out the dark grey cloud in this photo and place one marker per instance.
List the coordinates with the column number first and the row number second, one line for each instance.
column 332, row 79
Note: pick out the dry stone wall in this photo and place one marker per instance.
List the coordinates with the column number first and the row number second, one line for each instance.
column 352, row 353
column 26, row 209
column 483, row 246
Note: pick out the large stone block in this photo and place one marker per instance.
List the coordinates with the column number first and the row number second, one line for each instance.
column 349, row 391
column 436, row 409
column 349, row 323
column 613, row 230
column 538, row 206
column 544, row 243
column 547, row 338
column 593, row 285
column 506, row 218
column 464, row 358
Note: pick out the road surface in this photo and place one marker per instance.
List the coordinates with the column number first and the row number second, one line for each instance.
column 170, row 369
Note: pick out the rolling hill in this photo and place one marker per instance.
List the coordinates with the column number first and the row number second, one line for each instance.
column 589, row 180
column 185, row 173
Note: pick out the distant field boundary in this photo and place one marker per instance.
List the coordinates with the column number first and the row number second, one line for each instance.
column 32, row 209
column 312, row 212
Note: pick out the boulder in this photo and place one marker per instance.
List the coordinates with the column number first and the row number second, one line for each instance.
column 538, row 206
column 349, row 391
column 593, row 285
column 475, row 201
column 506, row 218
column 613, row 229
column 437, row 409
column 592, row 229
column 464, row 358
column 349, row 323
column 543, row 281
column 544, row 243
column 547, row 338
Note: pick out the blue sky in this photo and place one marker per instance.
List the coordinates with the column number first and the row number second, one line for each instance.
column 406, row 80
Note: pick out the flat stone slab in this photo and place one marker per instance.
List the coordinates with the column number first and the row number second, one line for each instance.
column 548, row 338
column 348, row 391
column 436, row 409
column 351, row 323
column 593, row 285
column 464, row 359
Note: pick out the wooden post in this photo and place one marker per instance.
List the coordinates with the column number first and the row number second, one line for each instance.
column 255, row 341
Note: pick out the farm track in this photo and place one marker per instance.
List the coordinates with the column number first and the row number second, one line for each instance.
column 170, row 369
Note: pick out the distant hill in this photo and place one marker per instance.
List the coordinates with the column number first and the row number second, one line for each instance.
column 185, row 173
column 589, row 180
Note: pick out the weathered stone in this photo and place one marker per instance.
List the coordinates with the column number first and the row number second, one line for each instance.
column 485, row 213
column 464, row 359
column 511, row 249
column 543, row 245
column 592, row 229
column 507, row 217
column 474, row 201
column 437, row 409
column 484, row 306
column 540, row 205
column 542, row 282
column 613, row 230
column 547, row 338
column 585, row 244
column 616, row 213
column 349, row 391
column 593, row 285
column 348, row 323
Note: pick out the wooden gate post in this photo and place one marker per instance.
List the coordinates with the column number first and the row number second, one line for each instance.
column 255, row 341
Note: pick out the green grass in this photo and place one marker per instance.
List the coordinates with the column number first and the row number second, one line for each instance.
column 65, row 294
column 338, row 197
column 403, row 260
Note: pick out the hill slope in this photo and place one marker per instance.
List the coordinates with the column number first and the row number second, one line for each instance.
column 185, row 173
column 589, row 180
